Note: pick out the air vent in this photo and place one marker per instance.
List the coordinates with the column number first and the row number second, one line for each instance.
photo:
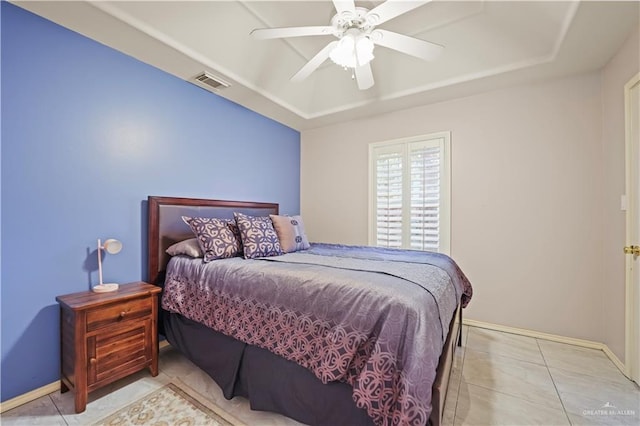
column 210, row 82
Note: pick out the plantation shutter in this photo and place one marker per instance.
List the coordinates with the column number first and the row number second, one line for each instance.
column 389, row 202
column 425, row 196
column 410, row 194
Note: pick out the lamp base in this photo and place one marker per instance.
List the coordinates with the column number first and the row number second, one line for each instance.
column 105, row 288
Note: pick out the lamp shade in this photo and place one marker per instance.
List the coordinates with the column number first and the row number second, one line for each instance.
column 112, row 246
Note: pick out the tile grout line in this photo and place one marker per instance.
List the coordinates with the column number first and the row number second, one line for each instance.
column 511, row 358
column 496, row 390
column 526, row 401
column 511, row 395
column 57, row 409
column 488, row 351
column 455, row 408
column 554, row 382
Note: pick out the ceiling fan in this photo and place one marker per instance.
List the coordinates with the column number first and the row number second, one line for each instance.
column 355, row 28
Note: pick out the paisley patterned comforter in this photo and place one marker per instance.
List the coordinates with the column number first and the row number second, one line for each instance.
column 371, row 317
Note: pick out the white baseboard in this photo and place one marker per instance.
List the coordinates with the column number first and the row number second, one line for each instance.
column 552, row 337
column 43, row 391
column 29, row 396
column 616, row 361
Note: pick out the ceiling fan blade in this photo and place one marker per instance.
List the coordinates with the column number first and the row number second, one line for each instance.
column 345, row 6
column 405, row 44
column 315, row 62
column 364, row 77
column 392, row 8
column 267, row 33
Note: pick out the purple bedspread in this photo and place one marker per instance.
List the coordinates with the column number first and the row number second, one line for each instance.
column 374, row 318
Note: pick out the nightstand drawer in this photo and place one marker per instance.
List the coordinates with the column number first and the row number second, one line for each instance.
column 118, row 313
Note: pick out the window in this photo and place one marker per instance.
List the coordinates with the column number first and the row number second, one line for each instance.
column 410, row 193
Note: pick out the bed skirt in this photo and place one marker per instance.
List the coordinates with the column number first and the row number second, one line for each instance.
column 272, row 383
column 269, row 382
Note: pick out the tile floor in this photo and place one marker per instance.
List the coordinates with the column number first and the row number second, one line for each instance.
column 498, row 379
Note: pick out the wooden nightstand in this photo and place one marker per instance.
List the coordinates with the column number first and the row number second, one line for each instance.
column 107, row 336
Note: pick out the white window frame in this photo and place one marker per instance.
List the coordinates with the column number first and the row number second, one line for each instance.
column 443, row 139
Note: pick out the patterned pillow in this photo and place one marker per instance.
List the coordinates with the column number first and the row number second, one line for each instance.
column 218, row 238
column 189, row 247
column 259, row 239
column 290, row 230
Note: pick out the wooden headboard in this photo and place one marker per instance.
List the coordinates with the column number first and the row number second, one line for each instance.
column 166, row 227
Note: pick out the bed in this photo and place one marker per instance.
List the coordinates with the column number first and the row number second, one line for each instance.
column 345, row 378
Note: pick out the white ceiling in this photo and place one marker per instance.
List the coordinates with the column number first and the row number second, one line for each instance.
column 488, row 45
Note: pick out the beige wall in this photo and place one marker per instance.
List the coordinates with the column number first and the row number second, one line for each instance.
column 527, row 178
column 624, row 65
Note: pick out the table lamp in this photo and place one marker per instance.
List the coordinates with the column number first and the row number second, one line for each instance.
column 111, row 246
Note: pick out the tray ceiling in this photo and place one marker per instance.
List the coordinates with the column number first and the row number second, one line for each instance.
column 488, row 45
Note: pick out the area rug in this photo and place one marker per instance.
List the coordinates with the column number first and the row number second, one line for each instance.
column 173, row 404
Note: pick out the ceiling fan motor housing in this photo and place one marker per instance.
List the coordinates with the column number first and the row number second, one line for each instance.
column 346, row 21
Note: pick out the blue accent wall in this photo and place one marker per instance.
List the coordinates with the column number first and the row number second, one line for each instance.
column 87, row 134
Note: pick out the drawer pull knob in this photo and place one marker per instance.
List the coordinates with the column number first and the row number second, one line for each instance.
column 92, row 361
column 122, row 314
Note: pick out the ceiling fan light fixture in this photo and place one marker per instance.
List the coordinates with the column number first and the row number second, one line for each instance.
column 353, row 51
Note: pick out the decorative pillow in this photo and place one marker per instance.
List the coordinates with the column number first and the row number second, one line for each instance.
column 216, row 237
column 290, row 230
column 259, row 239
column 189, row 247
